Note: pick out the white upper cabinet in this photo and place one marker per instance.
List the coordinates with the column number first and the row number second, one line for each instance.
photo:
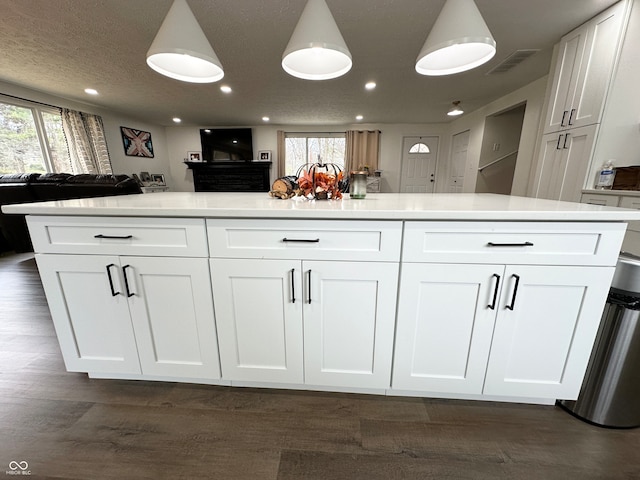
column 583, row 71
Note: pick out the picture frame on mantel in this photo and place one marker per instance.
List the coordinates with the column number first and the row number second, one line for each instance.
column 194, row 156
column 264, row 155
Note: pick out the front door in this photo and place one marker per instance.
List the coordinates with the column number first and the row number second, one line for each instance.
column 418, row 164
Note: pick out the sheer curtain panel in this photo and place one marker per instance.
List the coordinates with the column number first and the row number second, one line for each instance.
column 281, row 155
column 363, row 149
column 86, row 142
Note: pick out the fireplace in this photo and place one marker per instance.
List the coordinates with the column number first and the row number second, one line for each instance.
column 230, row 176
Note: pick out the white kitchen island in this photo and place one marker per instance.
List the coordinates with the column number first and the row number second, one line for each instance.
column 439, row 295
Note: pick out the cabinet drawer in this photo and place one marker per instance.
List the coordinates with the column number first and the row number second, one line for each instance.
column 174, row 237
column 628, row 201
column 604, row 200
column 513, row 242
column 305, row 239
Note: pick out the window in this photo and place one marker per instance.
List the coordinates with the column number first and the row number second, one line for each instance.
column 31, row 139
column 302, row 148
column 419, row 148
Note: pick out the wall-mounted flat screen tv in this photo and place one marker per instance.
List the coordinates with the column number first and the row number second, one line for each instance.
column 226, row 144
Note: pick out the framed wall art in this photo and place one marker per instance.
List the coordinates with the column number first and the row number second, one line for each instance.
column 137, row 143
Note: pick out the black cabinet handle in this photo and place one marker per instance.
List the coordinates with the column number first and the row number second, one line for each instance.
column 573, row 110
column 558, row 144
column 309, row 285
column 301, row 240
column 566, row 137
column 495, row 292
column 293, row 286
column 113, row 291
column 123, row 237
column 523, row 244
column 564, row 115
column 515, row 292
column 126, row 282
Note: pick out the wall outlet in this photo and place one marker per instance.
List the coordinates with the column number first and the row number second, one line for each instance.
column 496, row 147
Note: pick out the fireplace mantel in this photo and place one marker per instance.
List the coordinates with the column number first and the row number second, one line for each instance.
column 230, row 176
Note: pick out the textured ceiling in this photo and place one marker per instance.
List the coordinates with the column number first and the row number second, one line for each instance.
column 64, row 46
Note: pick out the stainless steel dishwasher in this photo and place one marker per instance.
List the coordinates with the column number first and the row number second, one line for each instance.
column 610, row 393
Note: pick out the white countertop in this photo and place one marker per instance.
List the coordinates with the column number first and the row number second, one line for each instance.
column 382, row 206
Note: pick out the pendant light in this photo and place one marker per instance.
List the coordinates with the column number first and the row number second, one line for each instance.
column 316, row 50
column 459, row 40
column 455, row 110
column 181, row 49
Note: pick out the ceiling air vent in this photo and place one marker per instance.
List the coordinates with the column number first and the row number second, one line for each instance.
column 516, row 58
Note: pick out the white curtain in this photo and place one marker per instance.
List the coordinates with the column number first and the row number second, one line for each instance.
column 281, row 155
column 362, row 149
column 86, row 142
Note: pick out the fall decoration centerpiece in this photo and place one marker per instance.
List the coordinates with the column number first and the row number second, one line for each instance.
column 321, row 181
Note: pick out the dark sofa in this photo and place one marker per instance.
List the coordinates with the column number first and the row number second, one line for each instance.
column 34, row 187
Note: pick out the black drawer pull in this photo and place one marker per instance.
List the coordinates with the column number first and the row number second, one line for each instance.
column 523, row 244
column 123, row 237
column 301, row 240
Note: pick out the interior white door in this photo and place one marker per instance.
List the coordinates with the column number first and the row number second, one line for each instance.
column 458, row 161
column 419, row 156
column 542, row 345
column 349, row 317
column 172, row 313
column 446, row 315
column 259, row 317
column 89, row 309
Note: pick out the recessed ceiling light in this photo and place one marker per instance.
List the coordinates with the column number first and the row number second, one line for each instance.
column 177, row 120
column 91, row 91
column 265, row 119
column 359, row 117
column 225, row 89
column 206, row 130
column 370, row 85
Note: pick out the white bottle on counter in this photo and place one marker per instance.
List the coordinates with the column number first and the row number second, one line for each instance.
column 605, row 176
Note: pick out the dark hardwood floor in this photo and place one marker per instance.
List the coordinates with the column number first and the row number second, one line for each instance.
column 65, row 425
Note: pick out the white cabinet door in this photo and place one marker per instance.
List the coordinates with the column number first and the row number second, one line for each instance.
column 596, row 67
column 551, row 171
column 567, row 67
column 88, row 305
column 172, row 313
column 565, row 161
column 583, row 70
column 541, row 347
column 446, row 316
column 258, row 306
column 349, row 317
